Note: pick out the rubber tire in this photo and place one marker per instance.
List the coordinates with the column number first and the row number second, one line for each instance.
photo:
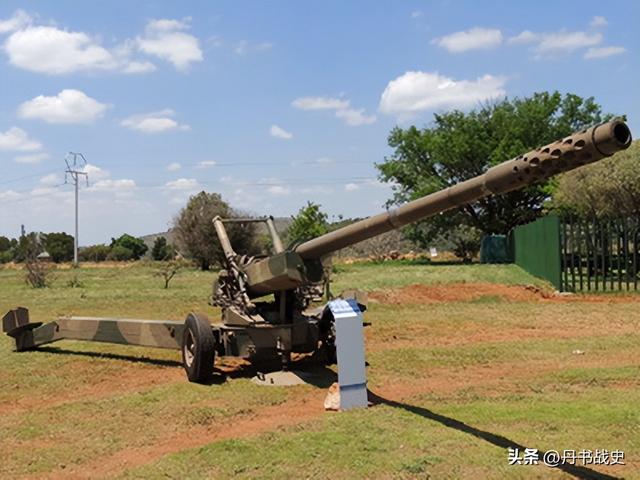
column 198, row 331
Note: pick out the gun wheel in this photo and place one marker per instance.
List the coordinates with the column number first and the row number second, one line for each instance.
column 198, row 348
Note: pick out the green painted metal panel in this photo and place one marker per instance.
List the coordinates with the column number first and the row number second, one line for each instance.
column 537, row 249
column 494, row 249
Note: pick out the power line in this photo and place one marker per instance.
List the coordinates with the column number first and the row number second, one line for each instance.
column 284, row 183
column 214, row 165
column 17, row 179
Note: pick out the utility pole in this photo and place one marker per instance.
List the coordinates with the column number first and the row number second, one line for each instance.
column 74, row 171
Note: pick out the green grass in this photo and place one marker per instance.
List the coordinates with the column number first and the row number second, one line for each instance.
column 374, row 276
column 418, row 439
column 475, row 373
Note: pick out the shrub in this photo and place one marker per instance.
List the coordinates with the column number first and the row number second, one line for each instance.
column 94, row 253
column 6, row 256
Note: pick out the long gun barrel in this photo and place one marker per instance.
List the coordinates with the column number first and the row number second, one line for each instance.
column 581, row 148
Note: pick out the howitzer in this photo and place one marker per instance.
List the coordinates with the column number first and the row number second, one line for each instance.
column 267, row 302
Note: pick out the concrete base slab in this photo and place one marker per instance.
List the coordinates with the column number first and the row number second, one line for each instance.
column 294, row 377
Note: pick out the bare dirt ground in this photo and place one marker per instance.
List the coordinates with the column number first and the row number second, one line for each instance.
column 463, row 292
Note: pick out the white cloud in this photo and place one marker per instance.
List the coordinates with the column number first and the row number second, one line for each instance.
column 354, row 117
column 416, row 14
column 95, row 172
column 351, row 116
column 603, row 52
column 373, row 182
column 206, row 164
column 278, row 190
column 168, row 25
column 69, row 106
column 325, row 160
column 172, row 167
column 320, row 103
column 43, row 191
column 215, row 41
column 9, row 195
column 566, row 42
column 245, row 47
column 598, row 21
column 100, row 180
column 19, row 20
column 16, row 139
column 556, row 43
column 474, row 39
column 154, row 122
column 417, row 91
column 165, row 39
column 182, row 184
column 351, row 187
column 50, row 179
column 45, row 49
column 33, row 158
column 278, row 132
column 109, row 185
column 526, row 36
column 51, row 50
column 315, row 190
column 138, row 67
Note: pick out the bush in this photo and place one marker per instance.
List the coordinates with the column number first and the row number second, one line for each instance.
column 168, row 270
column 37, row 273
column 94, row 253
column 6, row 256
column 119, row 253
column 466, row 242
column 75, row 282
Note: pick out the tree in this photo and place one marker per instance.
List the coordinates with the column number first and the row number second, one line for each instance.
column 135, row 245
column 310, row 222
column 6, row 249
column 196, row 234
column 59, row 246
column 119, row 253
column 461, row 145
column 161, row 249
column 5, row 244
column 610, row 188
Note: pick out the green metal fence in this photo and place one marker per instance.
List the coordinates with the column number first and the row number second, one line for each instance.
column 600, row 255
column 578, row 255
column 536, row 248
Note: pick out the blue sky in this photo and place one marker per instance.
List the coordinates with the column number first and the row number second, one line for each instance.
column 269, row 103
